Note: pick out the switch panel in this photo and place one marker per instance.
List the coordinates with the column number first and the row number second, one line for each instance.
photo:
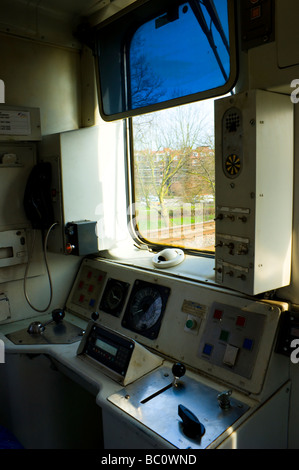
column 254, row 174
column 231, row 339
column 87, row 290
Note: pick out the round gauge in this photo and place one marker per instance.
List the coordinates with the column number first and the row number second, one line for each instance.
column 114, row 297
column 145, row 308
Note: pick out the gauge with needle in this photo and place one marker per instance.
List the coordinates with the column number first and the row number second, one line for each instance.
column 145, row 308
column 114, row 297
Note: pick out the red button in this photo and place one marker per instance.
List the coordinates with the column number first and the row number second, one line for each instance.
column 90, row 289
column 81, row 283
column 240, row 321
column 218, row 314
column 81, row 298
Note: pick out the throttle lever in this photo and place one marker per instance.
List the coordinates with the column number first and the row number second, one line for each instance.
column 192, row 427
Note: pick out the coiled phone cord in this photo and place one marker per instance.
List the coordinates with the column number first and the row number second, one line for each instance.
column 47, row 267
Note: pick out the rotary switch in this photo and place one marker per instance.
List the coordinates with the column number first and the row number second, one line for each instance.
column 192, row 427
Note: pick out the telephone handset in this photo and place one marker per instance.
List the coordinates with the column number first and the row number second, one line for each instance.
column 37, row 197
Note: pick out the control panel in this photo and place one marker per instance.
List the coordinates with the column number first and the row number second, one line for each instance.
column 108, row 348
column 119, row 356
column 226, row 336
column 254, row 167
column 87, row 290
column 232, row 338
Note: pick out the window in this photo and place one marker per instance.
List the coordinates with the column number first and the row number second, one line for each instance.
column 174, row 177
column 162, row 53
column 159, row 63
column 184, row 49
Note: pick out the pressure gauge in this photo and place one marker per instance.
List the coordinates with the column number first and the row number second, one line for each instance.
column 114, row 297
column 145, row 308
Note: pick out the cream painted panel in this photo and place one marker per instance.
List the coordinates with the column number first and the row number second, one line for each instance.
column 42, row 76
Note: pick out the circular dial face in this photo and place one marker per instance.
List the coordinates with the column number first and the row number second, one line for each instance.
column 114, row 297
column 146, row 308
column 232, row 165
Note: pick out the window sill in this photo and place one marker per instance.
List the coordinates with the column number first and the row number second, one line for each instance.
column 193, row 268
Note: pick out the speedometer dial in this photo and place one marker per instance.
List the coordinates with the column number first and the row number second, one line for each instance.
column 145, row 308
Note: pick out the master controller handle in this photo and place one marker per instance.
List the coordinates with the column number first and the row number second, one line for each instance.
column 192, row 427
column 178, row 370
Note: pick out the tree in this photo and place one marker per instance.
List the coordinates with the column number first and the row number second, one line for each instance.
column 174, row 156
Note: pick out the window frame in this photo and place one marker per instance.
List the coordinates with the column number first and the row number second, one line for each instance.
column 115, row 33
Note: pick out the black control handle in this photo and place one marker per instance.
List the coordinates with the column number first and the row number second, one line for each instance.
column 95, row 316
column 178, row 369
column 192, row 427
column 58, row 315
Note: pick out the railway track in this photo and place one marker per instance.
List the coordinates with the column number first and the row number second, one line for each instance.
column 188, row 236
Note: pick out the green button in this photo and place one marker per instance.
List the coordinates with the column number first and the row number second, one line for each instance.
column 224, row 335
column 190, row 324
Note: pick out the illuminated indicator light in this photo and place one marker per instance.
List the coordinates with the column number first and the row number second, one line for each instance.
column 69, row 248
column 240, row 321
column 218, row 314
column 255, row 12
column 207, row 350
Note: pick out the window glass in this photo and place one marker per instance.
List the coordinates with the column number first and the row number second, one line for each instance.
column 174, row 177
column 163, row 53
column 181, row 52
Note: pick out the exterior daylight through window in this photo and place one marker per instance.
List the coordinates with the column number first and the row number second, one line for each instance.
column 173, row 148
column 174, row 177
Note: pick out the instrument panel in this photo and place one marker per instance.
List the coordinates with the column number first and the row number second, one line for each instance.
column 222, row 334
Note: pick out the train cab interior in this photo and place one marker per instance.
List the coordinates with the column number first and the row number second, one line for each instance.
column 149, row 219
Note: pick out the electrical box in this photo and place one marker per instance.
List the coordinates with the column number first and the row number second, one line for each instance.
column 254, row 191
column 76, row 189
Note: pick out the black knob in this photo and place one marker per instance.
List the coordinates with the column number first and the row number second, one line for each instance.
column 95, row 316
column 192, row 427
column 178, row 369
column 58, row 315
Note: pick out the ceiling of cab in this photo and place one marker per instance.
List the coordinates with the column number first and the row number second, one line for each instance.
column 54, row 21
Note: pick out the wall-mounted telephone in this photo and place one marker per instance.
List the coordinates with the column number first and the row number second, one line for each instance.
column 37, row 197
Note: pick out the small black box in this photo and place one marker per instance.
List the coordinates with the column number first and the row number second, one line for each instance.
column 81, row 238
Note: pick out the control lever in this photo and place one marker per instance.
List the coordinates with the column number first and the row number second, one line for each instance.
column 95, row 316
column 224, row 399
column 37, row 327
column 192, row 427
column 178, row 370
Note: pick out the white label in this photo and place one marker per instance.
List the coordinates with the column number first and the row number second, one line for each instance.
column 15, row 123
